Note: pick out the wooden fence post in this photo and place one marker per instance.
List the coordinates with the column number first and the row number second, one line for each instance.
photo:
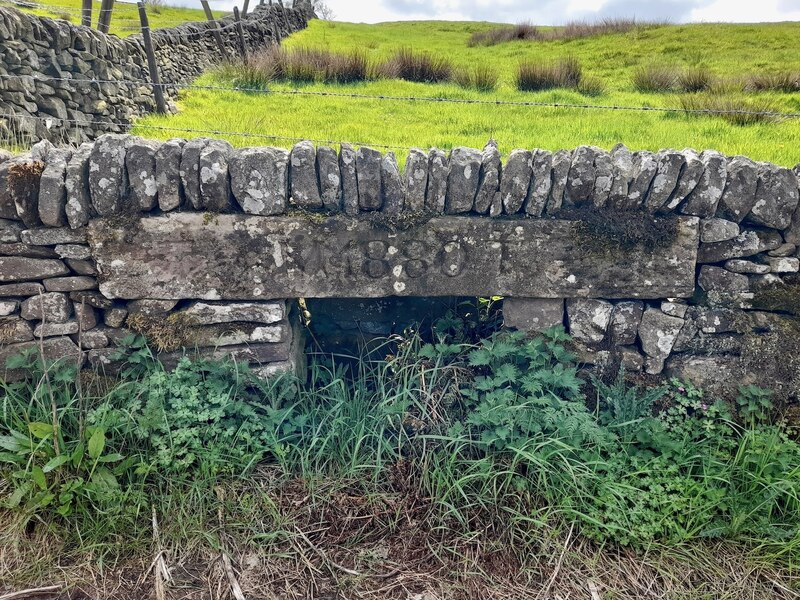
column 240, row 32
column 86, row 13
column 245, row 6
column 152, row 65
column 215, row 30
column 104, row 20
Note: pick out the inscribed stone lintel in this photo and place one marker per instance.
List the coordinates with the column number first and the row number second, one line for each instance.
column 239, row 257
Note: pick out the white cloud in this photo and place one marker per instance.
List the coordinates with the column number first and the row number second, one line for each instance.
column 550, row 12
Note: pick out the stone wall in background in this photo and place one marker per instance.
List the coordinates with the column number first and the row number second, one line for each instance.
column 72, row 77
column 675, row 262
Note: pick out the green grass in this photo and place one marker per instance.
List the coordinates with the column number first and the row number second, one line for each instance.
column 125, row 18
column 738, row 50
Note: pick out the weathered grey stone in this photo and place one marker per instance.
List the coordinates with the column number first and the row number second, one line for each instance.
column 108, row 180
column 45, row 330
column 330, row 179
column 674, row 309
column 304, row 183
column 17, row 268
column 705, row 197
column 561, row 164
column 645, row 168
column 215, row 185
column 92, row 298
column 85, row 316
column 603, row 180
column 53, row 237
column 541, row 183
column 76, row 182
column 625, row 321
column 92, row 340
column 623, row 175
column 8, row 307
column 669, row 165
column 8, row 210
column 438, row 172
column 777, row 197
column 5, row 155
column 746, row 267
column 73, row 251
column 416, row 180
column 253, row 354
column 21, row 289
column 260, row 180
column 10, row 231
column 70, row 284
column 14, row 330
column 151, row 308
column 489, row 183
column 41, row 150
column 52, row 307
column 747, row 243
column 714, row 373
column 115, row 317
column 720, row 280
column 631, row 360
column 516, row 180
column 82, row 267
column 717, row 230
column 140, row 160
column 347, row 171
column 394, row 195
column 717, row 320
column 52, row 189
column 27, row 251
column 190, row 171
column 533, row 315
column 168, row 177
column 496, row 209
column 240, row 333
column 368, row 170
column 245, row 257
column 657, row 333
column 588, row 319
column 784, row 265
column 761, row 282
column 580, row 181
column 784, row 250
column 60, row 348
column 203, row 313
column 462, row 182
column 740, row 189
column 690, row 176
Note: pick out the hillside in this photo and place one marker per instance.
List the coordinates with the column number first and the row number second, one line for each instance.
column 737, row 51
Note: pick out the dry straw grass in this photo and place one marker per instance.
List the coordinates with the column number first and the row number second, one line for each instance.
column 573, row 30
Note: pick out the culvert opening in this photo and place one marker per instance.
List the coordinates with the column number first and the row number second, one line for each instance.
column 352, row 329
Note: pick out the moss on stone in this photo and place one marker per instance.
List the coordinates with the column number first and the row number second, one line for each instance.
column 779, row 298
column 607, row 230
column 164, row 333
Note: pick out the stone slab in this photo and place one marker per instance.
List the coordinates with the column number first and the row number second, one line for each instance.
column 237, row 257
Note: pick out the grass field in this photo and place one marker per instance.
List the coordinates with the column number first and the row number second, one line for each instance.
column 736, row 51
column 125, row 18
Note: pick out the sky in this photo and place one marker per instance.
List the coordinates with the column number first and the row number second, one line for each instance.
column 552, row 12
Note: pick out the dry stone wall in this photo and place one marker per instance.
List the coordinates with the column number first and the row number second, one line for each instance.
column 673, row 262
column 72, row 78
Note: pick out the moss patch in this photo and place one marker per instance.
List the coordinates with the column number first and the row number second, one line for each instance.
column 609, row 230
column 779, row 298
column 164, row 333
